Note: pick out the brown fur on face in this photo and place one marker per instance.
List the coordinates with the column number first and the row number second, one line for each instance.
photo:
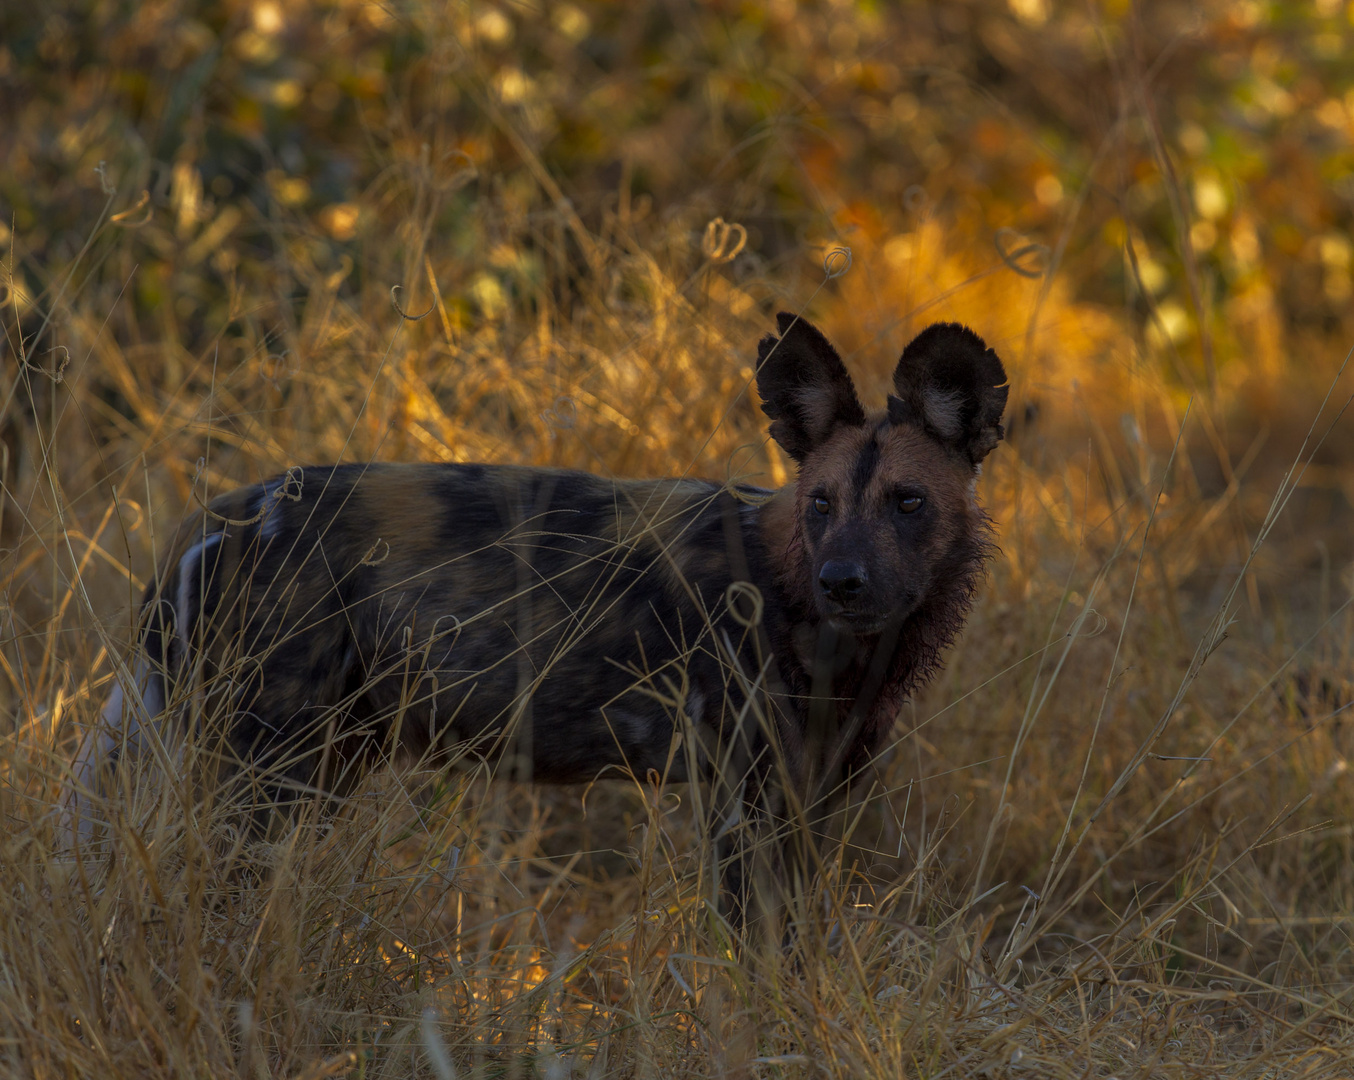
column 570, row 624
column 900, row 552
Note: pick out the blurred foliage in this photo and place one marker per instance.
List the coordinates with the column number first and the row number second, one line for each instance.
column 1174, row 154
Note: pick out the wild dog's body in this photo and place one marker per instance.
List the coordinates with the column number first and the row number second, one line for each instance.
column 546, row 613
column 573, row 623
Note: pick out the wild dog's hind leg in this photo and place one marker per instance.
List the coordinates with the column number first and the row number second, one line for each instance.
column 121, row 737
column 131, row 732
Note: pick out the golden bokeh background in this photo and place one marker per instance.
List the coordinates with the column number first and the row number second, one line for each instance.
column 1112, row 839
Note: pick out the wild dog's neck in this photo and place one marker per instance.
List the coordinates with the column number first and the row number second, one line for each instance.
column 779, row 525
column 783, row 533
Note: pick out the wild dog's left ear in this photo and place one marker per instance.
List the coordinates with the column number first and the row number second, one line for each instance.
column 805, row 387
column 950, row 381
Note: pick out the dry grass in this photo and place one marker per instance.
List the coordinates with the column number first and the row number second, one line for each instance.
column 1113, row 839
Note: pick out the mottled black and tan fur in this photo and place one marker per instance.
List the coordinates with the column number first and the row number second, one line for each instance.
column 570, row 625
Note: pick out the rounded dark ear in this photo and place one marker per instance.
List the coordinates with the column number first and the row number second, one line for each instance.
column 952, row 383
column 804, row 385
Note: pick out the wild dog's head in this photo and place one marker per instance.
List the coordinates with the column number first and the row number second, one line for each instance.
column 884, row 504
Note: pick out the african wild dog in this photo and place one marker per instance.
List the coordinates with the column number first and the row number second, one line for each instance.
column 569, row 625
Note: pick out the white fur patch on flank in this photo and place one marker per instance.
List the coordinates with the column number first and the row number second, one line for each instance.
column 190, row 586
column 628, row 728
column 944, row 412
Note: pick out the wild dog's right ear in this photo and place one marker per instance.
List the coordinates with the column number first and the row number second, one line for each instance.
column 950, row 382
column 805, row 388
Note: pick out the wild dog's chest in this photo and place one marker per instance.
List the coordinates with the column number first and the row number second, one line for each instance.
column 850, row 686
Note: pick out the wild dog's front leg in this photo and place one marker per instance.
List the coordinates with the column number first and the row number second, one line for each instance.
column 755, row 856
column 773, row 859
column 788, row 811
column 758, row 800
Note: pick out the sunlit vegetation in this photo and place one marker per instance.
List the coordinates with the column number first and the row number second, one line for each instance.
column 1112, row 839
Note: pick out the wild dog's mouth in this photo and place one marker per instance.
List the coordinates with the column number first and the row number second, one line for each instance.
column 862, row 622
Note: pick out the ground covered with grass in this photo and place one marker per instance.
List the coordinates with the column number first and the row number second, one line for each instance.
column 1112, row 839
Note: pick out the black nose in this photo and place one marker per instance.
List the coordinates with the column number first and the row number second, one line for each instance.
column 842, row 580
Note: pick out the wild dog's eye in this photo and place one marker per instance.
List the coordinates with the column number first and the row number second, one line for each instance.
column 821, row 505
column 910, row 504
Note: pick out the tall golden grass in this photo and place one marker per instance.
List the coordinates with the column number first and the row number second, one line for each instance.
column 1113, row 839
